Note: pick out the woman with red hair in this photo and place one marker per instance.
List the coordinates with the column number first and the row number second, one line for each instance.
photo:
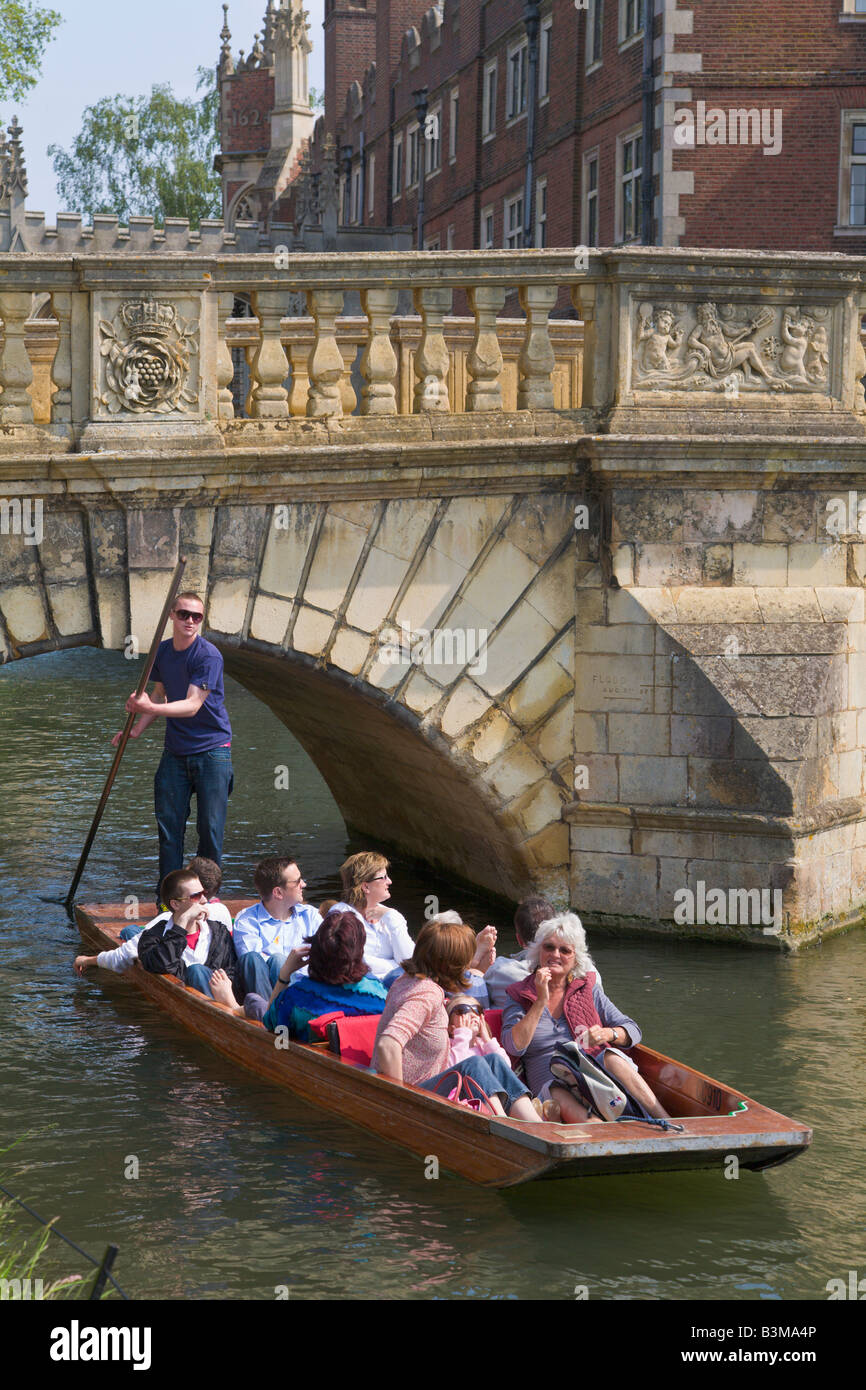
column 338, row 979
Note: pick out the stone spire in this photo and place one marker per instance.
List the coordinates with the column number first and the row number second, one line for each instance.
column 16, row 176
column 292, row 119
column 227, row 62
column 4, row 166
column 270, row 31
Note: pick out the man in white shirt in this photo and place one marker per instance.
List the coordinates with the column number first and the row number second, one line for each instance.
column 267, row 932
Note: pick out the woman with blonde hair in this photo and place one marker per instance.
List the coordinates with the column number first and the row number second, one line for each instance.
column 560, row 1001
column 412, row 1040
column 366, row 886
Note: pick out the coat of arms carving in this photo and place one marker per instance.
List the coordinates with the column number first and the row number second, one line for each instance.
column 147, row 349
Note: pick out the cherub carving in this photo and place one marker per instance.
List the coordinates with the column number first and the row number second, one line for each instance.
column 655, row 341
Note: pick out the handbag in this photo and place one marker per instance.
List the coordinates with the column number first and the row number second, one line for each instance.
column 468, row 1092
column 593, row 1085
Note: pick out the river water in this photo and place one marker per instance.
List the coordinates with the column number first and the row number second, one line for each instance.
column 243, row 1190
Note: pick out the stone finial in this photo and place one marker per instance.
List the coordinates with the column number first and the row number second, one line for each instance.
column 257, row 55
column 227, row 62
column 17, row 174
column 270, row 31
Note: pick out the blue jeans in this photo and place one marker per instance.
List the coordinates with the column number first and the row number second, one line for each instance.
column 492, row 1073
column 209, row 775
column 259, row 975
column 198, row 976
column 132, row 930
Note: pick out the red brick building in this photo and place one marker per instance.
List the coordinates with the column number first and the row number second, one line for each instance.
column 746, row 108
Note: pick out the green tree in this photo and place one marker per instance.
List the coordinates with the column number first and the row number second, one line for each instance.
column 145, row 157
column 25, row 32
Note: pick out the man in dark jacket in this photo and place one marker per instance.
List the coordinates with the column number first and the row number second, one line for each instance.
column 187, row 944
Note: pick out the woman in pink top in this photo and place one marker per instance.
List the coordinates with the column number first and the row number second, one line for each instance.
column 412, row 1038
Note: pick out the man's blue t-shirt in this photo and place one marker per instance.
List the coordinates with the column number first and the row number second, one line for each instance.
column 201, row 665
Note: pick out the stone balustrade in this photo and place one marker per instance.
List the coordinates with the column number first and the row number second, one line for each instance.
column 143, row 344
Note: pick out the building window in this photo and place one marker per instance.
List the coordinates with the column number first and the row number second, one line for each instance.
column 590, row 199
column 449, row 239
column 432, row 244
column 356, row 212
column 514, row 222
column 452, row 125
column 541, row 212
column 517, row 75
column 413, row 156
column 854, row 7
column 371, row 184
column 630, row 19
column 852, row 173
column 594, row 31
column 397, row 172
column 488, row 118
column 544, row 60
column 628, row 220
column 487, row 237
column 433, row 138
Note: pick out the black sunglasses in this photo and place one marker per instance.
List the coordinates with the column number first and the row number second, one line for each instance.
column 466, row 1009
column 185, row 613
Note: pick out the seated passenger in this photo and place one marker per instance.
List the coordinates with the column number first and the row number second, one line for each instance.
column 366, row 885
column 337, row 979
column 560, row 1001
column 187, row 944
column 507, row 970
column 469, row 1031
column 211, row 876
column 412, row 1039
column 485, row 953
column 268, row 931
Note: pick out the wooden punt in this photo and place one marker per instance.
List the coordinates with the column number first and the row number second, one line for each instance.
column 490, row 1151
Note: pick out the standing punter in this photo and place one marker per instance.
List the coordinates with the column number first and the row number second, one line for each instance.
column 188, row 694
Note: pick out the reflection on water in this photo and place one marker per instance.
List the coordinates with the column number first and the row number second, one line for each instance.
column 243, row 1189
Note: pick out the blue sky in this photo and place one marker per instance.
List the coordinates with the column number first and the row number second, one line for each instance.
column 110, row 47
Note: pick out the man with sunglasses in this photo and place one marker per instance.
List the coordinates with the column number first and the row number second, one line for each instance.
column 188, row 694
column 274, row 928
column 186, row 943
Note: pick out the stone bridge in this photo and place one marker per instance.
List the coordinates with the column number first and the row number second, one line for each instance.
column 571, row 602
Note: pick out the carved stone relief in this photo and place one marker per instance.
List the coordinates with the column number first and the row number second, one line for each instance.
column 146, row 350
column 731, row 348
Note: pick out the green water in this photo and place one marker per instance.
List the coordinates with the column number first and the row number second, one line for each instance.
column 243, row 1189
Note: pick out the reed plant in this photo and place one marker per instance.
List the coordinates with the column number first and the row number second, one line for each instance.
column 19, row 1261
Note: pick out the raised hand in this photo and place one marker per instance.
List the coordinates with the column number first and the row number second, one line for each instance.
column 542, row 983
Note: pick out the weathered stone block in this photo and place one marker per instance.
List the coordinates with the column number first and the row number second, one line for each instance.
column 708, row 737
column 539, row 691
column 595, row 777
column 108, row 541
column 789, row 516
column 590, row 732
column 286, row 549
column 715, row 606
column 63, row 551
column 111, row 600
column 337, row 554
column 718, row 564
column 19, row 560
column 614, row 684
column 660, row 565
column 639, row 733
column 722, row 516
column 615, row 884
column 154, row 537
column 640, row 606
column 311, row 631
column 622, row 564
column 24, row 614
column 227, row 605
column 540, row 523
column 817, row 564
column 494, row 735
column 350, row 651
column 466, row 705
column 435, row 583
column 649, row 781
column 627, row 639
column 780, row 738
column 270, row 620
column 70, row 608
column 515, row 772
column 762, row 565
column 503, row 576
column 739, row 784
column 541, row 808
column 376, row 590
column 147, row 594
column 553, row 593
column 835, row 732
column 466, row 527
column 421, row 694
column 555, row 740
column 841, row 605
column 514, row 647
column 602, row 839
column 238, row 536
column 674, row 844
column 788, row 605
column 647, row 515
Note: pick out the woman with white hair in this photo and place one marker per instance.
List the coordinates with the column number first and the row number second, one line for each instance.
column 561, row 1000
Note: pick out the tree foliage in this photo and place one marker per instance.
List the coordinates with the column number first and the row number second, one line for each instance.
column 145, row 156
column 26, row 30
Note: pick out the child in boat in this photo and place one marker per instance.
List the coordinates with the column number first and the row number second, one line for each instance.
column 468, row 1031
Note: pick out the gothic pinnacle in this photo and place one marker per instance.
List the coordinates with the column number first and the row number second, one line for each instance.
column 17, row 172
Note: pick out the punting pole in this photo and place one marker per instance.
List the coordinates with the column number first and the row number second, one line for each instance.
column 130, row 720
